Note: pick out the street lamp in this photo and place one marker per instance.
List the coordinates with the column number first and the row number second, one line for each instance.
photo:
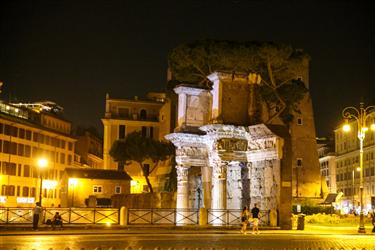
column 353, row 186
column 360, row 115
column 42, row 163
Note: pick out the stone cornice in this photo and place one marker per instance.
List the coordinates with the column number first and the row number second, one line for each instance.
column 185, row 139
column 189, row 90
column 220, row 76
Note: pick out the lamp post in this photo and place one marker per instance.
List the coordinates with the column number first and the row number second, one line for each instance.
column 353, row 187
column 360, row 115
column 42, row 163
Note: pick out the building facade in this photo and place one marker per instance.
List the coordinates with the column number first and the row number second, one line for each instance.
column 151, row 116
column 26, row 135
column 90, row 150
column 92, row 187
column 327, row 160
column 347, row 163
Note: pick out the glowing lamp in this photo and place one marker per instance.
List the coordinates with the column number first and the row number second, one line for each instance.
column 73, row 181
column 42, row 163
column 346, row 127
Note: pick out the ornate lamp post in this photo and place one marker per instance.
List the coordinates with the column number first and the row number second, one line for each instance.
column 360, row 115
column 42, row 163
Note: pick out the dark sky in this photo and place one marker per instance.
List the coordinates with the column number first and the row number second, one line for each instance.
column 74, row 52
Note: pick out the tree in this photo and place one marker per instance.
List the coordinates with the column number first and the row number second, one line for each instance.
column 137, row 148
column 278, row 65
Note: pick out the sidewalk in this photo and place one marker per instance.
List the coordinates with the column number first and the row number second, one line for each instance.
column 24, row 229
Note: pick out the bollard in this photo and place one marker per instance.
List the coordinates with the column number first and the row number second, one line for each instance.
column 202, row 216
column 123, row 216
column 157, row 248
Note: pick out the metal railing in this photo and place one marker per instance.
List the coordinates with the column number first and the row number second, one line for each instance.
column 152, row 216
column 69, row 215
column 163, row 216
column 231, row 217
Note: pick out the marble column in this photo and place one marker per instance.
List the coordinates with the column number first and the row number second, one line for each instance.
column 206, row 185
column 219, row 186
column 182, row 187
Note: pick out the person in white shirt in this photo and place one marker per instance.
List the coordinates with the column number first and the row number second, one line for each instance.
column 37, row 211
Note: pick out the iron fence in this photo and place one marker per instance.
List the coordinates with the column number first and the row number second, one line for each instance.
column 68, row 215
column 163, row 216
column 231, row 217
column 152, row 216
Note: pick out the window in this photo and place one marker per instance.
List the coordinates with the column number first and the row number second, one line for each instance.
column 32, row 192
column 10, row 168
column 10, row 190
column 144, row 131
column 18, row 190
column 28, row 135
column 21, row 134
column 299, row 162
column 69, row 159
column 13, row 148
column 123, row 112
column 26, row 170
column 19, row 170
column 148, row 132
column 70, row 146
column 299, row 121
column 118, row 190
column 62, row 158
column 35, row 137
column 27, row 151
column 143, row 114
column 121, row 131
column 97, row 189
column 3, row 190
column 6, row 146
column 21, row 150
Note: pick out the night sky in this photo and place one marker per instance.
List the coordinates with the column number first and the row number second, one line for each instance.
column 74, row 52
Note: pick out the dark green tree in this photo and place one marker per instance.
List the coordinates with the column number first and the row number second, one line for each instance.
column 278, row 65
column 137, row 148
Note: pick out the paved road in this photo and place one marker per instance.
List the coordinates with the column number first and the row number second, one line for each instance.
column 187, row 240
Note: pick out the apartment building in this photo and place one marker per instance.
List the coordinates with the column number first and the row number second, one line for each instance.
column 152, row 117
column 327, row 161
column 347, row 164
column 27, row 134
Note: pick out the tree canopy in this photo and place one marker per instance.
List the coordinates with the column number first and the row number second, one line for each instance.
column 137, row 148
column 278, row 65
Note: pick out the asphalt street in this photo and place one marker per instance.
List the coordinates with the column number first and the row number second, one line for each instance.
column 184, row 240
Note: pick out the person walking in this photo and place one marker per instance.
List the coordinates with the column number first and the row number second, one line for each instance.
column 255, row 213
column 37, row 211
column 244, row 219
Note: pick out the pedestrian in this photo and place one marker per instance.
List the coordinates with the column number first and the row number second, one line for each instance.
column 57, row 221
column 244, row 219
column 255, row 214
column 373, row 220
column 37, row 211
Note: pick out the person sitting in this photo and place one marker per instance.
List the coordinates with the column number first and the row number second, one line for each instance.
column 57, row 220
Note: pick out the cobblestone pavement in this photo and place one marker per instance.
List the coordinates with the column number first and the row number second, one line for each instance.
column 188, row 241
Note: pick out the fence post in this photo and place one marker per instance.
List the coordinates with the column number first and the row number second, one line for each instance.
column 202, row 216
column 124, row 216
